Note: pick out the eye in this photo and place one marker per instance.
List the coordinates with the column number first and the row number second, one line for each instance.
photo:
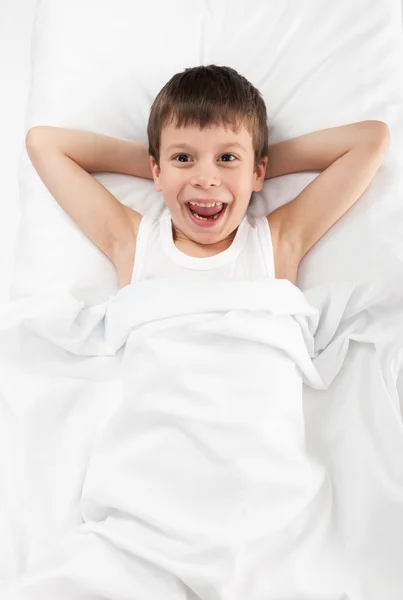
column 229, row 155
column 178, row 155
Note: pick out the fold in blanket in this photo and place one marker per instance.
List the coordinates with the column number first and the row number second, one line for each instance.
column 329, row 315
column 103, row 328
column 201, row 484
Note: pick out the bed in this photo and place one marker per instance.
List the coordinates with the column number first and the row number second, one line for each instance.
column 64, row 332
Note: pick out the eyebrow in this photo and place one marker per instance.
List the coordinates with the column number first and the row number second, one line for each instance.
column 189, row 147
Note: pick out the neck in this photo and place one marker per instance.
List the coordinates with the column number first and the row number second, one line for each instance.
column 179, row 236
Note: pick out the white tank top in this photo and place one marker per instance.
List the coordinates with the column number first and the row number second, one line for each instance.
column 249, row 257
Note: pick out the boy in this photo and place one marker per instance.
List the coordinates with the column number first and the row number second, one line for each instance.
column 202, row 115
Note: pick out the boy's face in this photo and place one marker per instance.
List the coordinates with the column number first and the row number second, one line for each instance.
column 207, row 164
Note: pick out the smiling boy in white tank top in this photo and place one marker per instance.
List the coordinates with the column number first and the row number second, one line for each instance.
column 208, row 142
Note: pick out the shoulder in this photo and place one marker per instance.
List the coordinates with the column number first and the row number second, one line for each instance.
column 286, row 260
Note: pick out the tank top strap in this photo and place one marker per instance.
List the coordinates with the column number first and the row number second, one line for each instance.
column 267, row 244
column 143, row 235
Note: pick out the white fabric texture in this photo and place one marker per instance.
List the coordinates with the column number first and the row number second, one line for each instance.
column 67, row 337
column 203, row 470
column 241, row 436
column 206, row 471
column 249, row 257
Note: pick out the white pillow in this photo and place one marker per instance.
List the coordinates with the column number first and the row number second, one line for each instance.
column 98, row 66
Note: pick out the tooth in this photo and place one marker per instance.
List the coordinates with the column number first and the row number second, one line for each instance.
column 206, row 205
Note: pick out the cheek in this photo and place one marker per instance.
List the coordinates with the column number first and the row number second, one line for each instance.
column 241, row 185
column 173, row 179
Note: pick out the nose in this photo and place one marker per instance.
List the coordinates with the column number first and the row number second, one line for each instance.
column 204, row 180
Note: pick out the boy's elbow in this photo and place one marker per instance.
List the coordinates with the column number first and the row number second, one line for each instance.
column 380, row 134
column 34, row 137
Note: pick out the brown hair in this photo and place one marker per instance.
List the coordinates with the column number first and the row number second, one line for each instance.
column 207, row 95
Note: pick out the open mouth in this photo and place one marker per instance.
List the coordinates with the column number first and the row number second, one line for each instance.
column 206, row 221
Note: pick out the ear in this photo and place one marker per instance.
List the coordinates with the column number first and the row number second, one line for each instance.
column 260, row 173
column 156, row 173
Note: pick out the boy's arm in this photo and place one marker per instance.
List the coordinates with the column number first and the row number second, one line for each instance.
column 317, row 150
column 348, row 155
column 65, row 158
column 97, row 153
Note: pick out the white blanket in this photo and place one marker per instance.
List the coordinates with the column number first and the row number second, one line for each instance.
column 203, row 483
column 318, row 65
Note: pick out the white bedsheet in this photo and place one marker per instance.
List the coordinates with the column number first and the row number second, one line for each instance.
column 205, row 479
column 318, row 65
